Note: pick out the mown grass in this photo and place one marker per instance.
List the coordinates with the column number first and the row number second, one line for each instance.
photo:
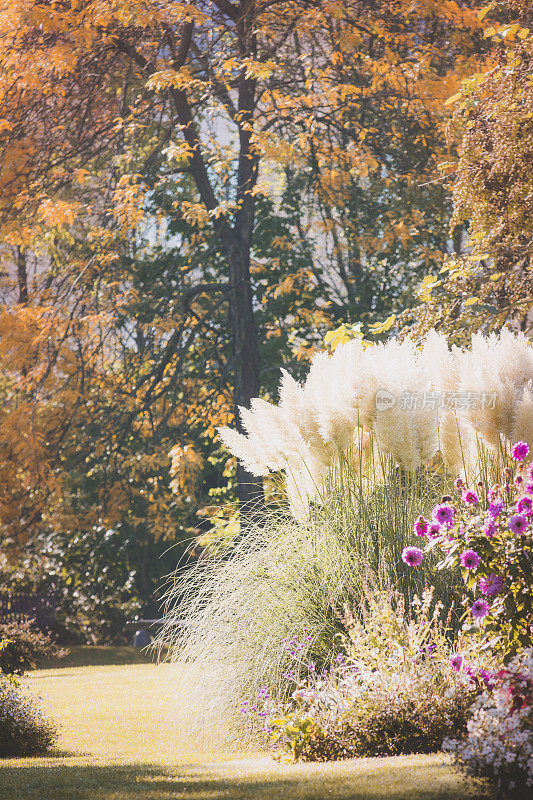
column 94, row 655
column 402, row 778
column 117, row 742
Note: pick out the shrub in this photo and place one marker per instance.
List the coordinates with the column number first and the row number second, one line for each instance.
column 396, row 689
column 24, row 647
column 369, row 714
column 230, row 613
column 24, row 731
column 499, row 741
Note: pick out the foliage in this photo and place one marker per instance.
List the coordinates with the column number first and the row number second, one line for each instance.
column 24, row 731
column 489, row 282
column 488, row 535
column 160, row 264
column 391, row 691
column 99, row 579
column 188, row 201
column 229, row 613
column 499, row 741
column 24, row 647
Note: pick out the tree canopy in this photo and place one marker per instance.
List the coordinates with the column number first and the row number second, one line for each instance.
column 194, row 193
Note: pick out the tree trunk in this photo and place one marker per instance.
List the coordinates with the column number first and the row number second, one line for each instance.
column 245, row 365
column 22, row 276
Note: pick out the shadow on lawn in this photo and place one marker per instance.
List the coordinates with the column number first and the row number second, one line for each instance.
column 53, row 781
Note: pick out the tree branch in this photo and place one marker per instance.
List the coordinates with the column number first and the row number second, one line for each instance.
column 228, row 9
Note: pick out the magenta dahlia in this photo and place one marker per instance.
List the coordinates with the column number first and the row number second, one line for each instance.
column 470, row 559
column 413, row 556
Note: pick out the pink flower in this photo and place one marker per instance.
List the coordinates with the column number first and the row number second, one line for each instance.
column 494, row 491
column 420, row 526
column 520, row 451
column 470, row 559
column 528, row 488
column 459, row 483
column 518, row 524
column 496, row 508
column 489, row 528
column 412, row 556
column 443, row 514
column 491, row 585
column 434, row 530
column 306, row 695
column 480, row 609
column 470, row 498
column 457, row 661
column 525, row 506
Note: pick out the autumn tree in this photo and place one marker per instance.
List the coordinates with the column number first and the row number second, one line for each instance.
column 118, row 122
column 489, row 284
column 373, row 202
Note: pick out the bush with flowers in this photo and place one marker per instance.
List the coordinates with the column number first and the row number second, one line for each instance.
column 488, row 534
column 499, row 740
column 24, row 730
column 398, row 686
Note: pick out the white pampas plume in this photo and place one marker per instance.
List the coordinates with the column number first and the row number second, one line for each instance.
column 457, row 444
column 299, row 405
column 438, row 364
column 298, row 496
column 487, row 393
column 495, row 371
column 523, row 423
column 406, row 430
column 241, row 447
column 330, row 391
column 455, row 439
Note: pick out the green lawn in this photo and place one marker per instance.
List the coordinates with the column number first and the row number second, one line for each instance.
column 117, row 743
column 89, row 656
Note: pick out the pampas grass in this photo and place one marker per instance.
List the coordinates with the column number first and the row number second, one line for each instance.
column 230, row 613
column 356, row 475
column 442, row 400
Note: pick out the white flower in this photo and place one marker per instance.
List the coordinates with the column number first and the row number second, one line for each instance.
column 499, row 742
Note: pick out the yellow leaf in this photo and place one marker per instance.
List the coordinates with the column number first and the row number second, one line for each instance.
column 381, row 327
column 489, row 32
column 428, row 283
column 484, row 11
column 453, row 99
column 472, row 301
column 522, row 33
